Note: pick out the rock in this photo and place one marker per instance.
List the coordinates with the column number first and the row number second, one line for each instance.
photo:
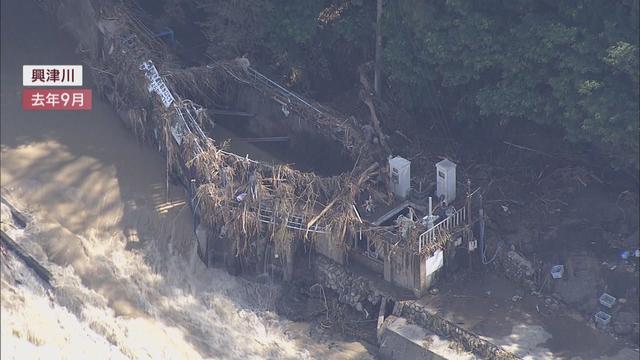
column 434, row 291
column 521, row 264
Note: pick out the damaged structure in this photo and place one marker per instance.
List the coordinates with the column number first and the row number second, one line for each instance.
column 257, row 216
column 355, row 227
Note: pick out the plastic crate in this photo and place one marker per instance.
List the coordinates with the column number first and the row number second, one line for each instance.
column 602, row 318
column 557, row 271
column 607, row 300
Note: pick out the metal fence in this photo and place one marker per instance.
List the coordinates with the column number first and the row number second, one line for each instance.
column 430, row 236
column 296, row 222
column 458, row 218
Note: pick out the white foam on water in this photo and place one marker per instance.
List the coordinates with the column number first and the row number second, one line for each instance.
column 184, row 312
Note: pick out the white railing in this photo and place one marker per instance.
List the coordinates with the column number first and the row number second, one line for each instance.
column 431, row 235
column 296, row 222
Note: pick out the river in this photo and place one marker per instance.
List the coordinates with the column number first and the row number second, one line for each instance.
column 117, row 237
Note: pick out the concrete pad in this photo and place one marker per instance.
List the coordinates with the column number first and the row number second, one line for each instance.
column 402, row 340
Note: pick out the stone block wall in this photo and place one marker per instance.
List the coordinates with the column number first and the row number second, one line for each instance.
column 516, row 267
column 352, row 289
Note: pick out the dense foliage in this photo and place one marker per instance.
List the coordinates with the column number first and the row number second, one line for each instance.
column 571, row 64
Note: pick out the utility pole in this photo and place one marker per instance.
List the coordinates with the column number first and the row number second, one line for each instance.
column 377, row 70
column 469, row 223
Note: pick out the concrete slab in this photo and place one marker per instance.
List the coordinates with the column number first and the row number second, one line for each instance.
column 402, row 340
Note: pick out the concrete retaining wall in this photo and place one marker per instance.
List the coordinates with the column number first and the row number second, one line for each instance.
column 364, row 261
column 396, row 345
column 470, row 341
column 403, row 340
column 402, row 268
column 330, row 245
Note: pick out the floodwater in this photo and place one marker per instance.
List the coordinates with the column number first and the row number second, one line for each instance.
column 117, row 237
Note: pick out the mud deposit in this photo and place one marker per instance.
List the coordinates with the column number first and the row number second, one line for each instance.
column 117, row 238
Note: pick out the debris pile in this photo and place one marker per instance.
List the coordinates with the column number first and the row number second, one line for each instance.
column 237, row 198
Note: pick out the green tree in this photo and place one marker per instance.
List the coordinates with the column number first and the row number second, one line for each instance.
column 571, row 64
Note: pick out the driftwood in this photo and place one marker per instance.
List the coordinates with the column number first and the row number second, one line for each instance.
column 367, row 96
column 349, row 197
column 238, row 199
column 324, row 211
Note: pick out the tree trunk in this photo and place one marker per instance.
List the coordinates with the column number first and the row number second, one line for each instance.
column 378, row 61
column 368, row 99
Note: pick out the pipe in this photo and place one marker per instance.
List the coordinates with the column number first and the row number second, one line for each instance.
column 379, row 328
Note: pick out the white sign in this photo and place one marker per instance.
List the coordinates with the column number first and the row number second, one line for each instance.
column 156, row 84
column 51, row 75
column 435, row 262
column 473, row 245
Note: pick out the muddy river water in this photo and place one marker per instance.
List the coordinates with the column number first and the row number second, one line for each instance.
column 117, row 237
